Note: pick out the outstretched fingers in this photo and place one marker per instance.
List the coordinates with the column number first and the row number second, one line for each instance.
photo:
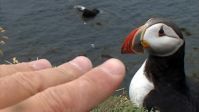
column 22, row 85
column 79, row 95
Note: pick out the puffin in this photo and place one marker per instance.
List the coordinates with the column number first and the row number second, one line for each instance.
column 87, row 13
column 160, row 83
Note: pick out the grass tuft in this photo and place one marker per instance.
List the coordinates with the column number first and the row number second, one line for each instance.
column 3, row 39
column 118, row 103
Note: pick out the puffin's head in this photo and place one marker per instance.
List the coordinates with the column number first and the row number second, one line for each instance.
column 159, row 37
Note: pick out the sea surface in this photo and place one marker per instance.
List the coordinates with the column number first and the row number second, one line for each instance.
column 54, row 30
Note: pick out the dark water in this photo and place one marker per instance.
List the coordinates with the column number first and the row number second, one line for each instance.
column 52, row 29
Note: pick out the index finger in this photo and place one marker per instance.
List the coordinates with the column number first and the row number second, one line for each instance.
column 23, row 67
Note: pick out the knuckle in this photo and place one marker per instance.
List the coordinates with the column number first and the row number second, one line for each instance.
column 57, row 101
column 25, row 82
column 70, row 72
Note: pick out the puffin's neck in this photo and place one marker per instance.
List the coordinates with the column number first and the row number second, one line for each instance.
column 167, row 71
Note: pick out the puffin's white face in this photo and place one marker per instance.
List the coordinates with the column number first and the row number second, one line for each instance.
column 161, row 40
column 158, row 39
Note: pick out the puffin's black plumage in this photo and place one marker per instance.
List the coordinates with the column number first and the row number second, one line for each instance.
column 171, row 92
column 168, row 77
column 90, row 13
column 87, row 13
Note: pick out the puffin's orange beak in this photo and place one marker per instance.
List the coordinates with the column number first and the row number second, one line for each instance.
column 132, row 43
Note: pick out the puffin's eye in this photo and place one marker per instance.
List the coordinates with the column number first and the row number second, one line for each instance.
column 161, row 32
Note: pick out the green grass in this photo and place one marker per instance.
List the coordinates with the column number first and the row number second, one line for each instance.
column 117, row 103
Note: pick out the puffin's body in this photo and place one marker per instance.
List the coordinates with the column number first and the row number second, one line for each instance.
column 87, row 13
column 160, row 83
column 140, row 86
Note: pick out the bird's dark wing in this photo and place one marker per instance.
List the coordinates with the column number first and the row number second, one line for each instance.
column 169, row 100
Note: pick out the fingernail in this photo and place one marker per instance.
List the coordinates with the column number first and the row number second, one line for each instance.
column 40, row 64
column 82, row 63
column 113, row 67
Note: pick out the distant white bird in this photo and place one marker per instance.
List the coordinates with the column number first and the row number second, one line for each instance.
column 80, row 7
column 93, row 45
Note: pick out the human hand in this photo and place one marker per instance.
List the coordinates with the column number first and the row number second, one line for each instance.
column 71, row 87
